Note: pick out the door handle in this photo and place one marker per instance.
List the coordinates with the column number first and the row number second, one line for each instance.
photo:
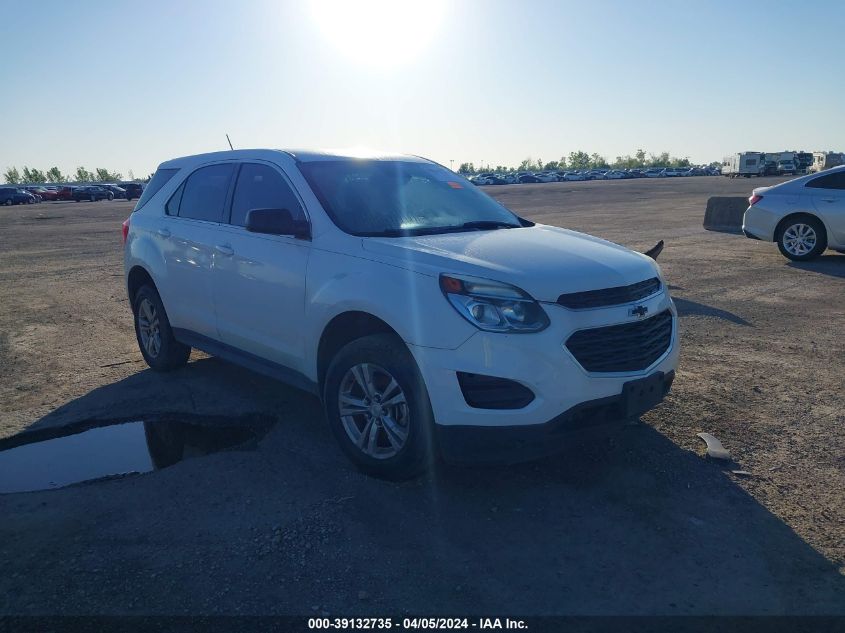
column 224, row 249
column 165, row 233
column 828, row 199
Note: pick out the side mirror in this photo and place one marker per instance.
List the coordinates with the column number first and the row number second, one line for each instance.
column 276, row 222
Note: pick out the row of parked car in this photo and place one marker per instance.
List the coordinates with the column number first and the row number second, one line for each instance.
column 589, row 174
column 30, row 194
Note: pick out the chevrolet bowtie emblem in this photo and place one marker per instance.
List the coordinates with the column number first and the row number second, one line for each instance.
column 638, row 311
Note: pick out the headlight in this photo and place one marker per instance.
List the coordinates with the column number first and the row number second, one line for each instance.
column 493, row 306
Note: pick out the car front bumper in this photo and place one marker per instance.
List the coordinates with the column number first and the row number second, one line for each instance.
column 542, row 363
column 511, row 444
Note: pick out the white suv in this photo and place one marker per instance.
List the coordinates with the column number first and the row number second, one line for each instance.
column 429, row 318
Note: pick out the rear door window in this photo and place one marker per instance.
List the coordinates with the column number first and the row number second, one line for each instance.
column 260, row 186
column 205, row 191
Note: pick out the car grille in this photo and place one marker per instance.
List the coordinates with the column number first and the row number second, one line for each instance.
column 627, row 347
column 609, row 296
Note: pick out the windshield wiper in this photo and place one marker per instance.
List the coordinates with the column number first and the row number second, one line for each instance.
column 434, row 230
column 428, row 230
column 489, row 224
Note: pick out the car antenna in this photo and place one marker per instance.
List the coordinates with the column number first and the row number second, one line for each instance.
column 230, row 143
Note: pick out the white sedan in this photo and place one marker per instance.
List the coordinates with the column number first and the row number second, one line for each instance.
column 804, row 216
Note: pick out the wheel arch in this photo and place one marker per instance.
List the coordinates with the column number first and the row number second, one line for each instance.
column 138, row 276
column 343, row 329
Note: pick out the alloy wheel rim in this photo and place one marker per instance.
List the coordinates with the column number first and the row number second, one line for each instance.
column 373, row 410
column 149, row 328
column 799, row 239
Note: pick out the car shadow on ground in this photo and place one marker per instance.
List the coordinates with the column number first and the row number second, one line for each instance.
column 832, row 265
column 688, row 307
column 632, row 524
column 207, row 386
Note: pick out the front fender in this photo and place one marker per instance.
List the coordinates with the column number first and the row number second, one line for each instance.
column 409, row 302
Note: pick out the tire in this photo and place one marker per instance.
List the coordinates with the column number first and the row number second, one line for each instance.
column 111, row 197
column 93, row 198
column 390, row 455
column 801, row 238
column 164, row 353
column 7, row 202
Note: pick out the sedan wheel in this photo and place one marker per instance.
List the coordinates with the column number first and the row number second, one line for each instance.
column 799, row 239
column 802, row 239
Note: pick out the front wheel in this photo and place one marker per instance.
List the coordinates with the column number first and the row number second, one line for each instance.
column 378, row 407
column 155, row 336
column 802, row 238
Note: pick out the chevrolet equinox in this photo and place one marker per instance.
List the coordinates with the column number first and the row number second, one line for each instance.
column 427, row 317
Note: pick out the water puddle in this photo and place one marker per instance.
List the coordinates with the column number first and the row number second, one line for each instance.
column 67, row 457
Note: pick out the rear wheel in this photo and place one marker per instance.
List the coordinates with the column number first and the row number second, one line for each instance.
column 802, row 238
column 154, row 334
column 378, row 407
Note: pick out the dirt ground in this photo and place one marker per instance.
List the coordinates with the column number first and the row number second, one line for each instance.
column 641, row 523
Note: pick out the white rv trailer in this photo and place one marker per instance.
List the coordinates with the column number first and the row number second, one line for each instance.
column 826, row 160
column 745, row 164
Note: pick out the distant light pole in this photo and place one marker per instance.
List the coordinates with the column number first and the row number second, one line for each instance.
column 452, row 164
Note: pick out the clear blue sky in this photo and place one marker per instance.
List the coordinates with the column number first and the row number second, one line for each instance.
column 126, row 85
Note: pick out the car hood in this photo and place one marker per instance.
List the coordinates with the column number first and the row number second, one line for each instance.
column 545, row 261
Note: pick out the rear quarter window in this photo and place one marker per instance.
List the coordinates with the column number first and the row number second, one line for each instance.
column 159, row 179
column 828, row 181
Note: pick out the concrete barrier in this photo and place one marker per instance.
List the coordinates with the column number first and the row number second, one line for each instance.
column 725, row 214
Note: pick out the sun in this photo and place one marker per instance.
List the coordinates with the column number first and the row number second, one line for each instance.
column 380, row 33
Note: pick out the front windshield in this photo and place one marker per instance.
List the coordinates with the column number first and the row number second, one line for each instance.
column 391, row 198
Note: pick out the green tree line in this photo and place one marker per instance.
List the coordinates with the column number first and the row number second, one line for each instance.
column 583, row 160
column 32, row 176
